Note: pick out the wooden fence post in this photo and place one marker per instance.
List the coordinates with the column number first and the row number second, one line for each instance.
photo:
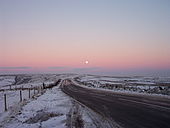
column 5, row 102
column 29, row 93
column 20, row 96
column 42, row 90
column 34, row 90
column 43, row 85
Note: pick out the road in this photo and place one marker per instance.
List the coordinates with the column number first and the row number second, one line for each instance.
column 128, row 110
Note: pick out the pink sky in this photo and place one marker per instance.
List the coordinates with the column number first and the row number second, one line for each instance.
column 110, row 35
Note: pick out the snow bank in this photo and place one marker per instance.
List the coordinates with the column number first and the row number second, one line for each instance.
column 139, row 84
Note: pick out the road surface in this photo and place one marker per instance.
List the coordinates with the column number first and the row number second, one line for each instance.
column 128, row 110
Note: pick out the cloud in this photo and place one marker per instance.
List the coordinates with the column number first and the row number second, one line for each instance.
column 76, row 70
column 58, row 67
column 8, row 68
column 90, row 69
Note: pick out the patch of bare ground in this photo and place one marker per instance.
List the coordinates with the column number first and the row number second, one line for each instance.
column 42, row 116
column 74, row 117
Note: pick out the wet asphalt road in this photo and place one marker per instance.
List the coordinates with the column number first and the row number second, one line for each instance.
column 128, row 110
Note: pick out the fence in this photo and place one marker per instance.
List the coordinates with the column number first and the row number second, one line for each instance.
column 35, row 90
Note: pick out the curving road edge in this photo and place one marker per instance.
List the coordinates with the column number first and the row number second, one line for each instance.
column 128, row 110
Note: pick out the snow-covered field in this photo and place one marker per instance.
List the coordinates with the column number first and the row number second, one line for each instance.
column 13, row 97
column 6, row 80
column 18, row 81
column 140, row 84
column 54, row 109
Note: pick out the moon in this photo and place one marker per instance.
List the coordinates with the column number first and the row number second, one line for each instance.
column 86, row 62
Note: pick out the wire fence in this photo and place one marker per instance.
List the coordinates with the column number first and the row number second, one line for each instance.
column 31, row 92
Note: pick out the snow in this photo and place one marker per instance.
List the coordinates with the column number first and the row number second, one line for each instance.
column 6, row 80
column 13, row 97
column 48, row 110
column 54, row 108
column 53, row 101
column 139, row 84
column 28, row 81
column 120, row 80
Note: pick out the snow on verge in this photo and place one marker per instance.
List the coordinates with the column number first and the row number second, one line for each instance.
column 48, row 111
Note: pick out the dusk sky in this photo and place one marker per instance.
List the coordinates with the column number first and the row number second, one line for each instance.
column 61, row 35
